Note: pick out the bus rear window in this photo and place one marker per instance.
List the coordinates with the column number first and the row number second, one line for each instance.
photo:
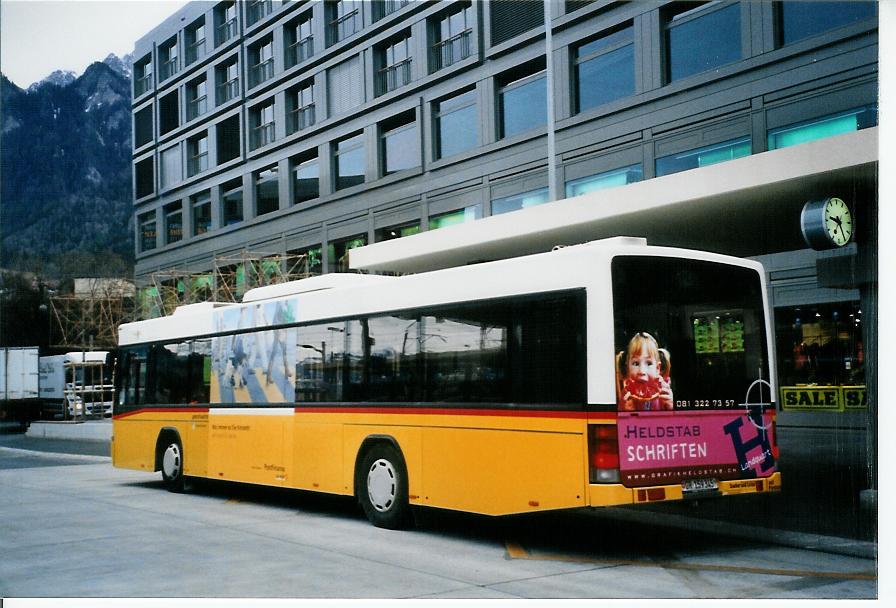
column 688, row 335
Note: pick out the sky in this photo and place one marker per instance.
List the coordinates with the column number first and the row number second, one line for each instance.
column 38, row 37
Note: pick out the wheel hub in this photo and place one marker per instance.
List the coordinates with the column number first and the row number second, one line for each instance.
column 171, row 461
column 381, row 485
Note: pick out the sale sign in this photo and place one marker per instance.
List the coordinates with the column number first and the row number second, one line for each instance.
column 658, row 448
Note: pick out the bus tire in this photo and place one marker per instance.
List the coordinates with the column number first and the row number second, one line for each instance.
column 383, row 487
column 171, row 460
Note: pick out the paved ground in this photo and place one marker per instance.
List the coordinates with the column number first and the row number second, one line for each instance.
column 74, row 526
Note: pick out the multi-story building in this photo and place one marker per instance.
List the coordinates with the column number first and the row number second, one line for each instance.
column 316, row 127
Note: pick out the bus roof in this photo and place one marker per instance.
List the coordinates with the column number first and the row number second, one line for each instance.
column 344, row 295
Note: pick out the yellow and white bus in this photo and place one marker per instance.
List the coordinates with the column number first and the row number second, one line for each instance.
column 607, row 373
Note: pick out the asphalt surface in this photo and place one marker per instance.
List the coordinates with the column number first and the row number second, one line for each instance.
column 818, row 506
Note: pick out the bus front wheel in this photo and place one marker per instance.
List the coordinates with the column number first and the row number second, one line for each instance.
column 172, row 461
column 383, row 487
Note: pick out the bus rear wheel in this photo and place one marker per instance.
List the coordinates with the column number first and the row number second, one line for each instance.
column 172, row 461
column 383, row 487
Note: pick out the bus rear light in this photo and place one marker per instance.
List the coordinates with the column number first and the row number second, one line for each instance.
column 603, row 452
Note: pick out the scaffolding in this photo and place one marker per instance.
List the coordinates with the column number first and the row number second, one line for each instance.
column 89, row 317
column 230, row 278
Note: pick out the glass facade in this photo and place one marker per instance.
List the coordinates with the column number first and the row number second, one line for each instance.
column 267, row 195
column 819, row 128
column 306, row 180
column 799, row 20
column 174, row 223
column 350, row 162
column 232, row 202
column 467, row 214
column 401, row 148
column 147, row 224
column 202, row 212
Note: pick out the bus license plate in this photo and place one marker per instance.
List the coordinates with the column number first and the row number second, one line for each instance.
column 699, row 485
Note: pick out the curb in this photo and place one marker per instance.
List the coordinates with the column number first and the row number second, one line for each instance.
column 787, row 538
column 85, row 457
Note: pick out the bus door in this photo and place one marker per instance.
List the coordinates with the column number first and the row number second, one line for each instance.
column 695, row 404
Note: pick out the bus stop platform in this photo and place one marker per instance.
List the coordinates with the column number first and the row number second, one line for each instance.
column 90, row 430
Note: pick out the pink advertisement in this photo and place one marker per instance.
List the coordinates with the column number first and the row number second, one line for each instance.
column 659, row 448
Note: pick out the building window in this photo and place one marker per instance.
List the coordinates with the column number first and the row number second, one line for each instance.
column 799, row 20
column 305, row 178
column 452, row 34
column 384, row 8
column 456, row 124
column 201, row 204
column 400, row 144
column 819, row 128
column 142, row 127
column 147, row 223
column 262, row 125
column 506, row 204
column 174, row 223
column 397, row 232
column 267, row 191
column 700, row 36
column 195, row 40
column 261, row 56
column 228, row 132
column 144, row 178
column 197, row 98
column 349, row 161
column 299, row 40
column 258, row 10
column 461, row 216
column 172, row 171
column 522, row 103
column 142, row 76
column 168, row 59
column 394, row 65
column 313, row 259
column 338, row 252
column 605, row 69
column 343, row 19
column 301, row 108
column 602, row 181
column 228, row 81
column 197, row 150
column 232, row 202
column 169, row 113
column 703, row 157
column 225, row 22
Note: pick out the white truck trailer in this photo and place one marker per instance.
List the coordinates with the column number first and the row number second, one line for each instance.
column 19, row 385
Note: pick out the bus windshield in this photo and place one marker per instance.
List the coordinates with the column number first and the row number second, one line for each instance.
column 689, row 335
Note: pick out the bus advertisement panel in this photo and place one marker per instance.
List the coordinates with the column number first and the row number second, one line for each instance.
column 692, row 384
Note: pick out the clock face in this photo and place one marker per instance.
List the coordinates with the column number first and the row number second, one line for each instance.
column 837, row 221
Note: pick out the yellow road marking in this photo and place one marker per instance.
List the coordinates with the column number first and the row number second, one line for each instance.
column 516, row 551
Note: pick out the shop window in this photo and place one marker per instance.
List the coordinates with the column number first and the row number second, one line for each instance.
column 516, row 202
column 700, row 36
column 461, row 216
column 313, row 263
column 703, row 157
column 338, row 252
column 396, row 232
column 799, row 20
column 819, row 128
column 147, row 223
column 605, row 69
column 820, row 346
column 602, row 181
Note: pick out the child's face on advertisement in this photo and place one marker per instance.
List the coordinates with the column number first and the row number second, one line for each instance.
column 642, row 366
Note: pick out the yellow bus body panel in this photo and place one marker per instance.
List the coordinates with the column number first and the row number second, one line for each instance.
column 318, row 457
column 247, row 447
